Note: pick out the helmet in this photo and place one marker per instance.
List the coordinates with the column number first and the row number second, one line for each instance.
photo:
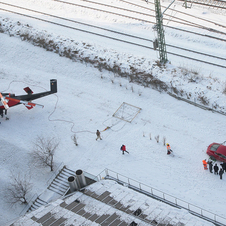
column 167, row 144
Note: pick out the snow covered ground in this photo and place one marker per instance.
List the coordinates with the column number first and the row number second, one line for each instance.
column 86, row 101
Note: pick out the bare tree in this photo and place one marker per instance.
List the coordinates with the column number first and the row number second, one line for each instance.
column 18, row 189
column 44, row 150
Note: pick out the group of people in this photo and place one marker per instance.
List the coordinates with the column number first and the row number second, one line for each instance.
column 122, row 148
column 214, row 168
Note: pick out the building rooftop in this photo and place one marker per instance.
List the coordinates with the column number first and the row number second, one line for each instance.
column 108, row 203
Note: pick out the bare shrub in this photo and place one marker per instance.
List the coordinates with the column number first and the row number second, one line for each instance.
column 157, row 138
column 175, row 90
column 75, row 139
column 203, row 100
column 18, row 189
column 164, row 141
column 194, row 71
column 192, row 79
column 184, row 71
column 44, row 150
column 189, row 95
column 158, row 63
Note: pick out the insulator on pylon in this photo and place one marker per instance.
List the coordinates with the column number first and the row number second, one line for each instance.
column 155, row 44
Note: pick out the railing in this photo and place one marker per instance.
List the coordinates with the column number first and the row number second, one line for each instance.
column 157, row 194
column 91, row 176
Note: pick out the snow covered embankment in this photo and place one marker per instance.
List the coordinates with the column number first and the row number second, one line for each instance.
column 180, row 82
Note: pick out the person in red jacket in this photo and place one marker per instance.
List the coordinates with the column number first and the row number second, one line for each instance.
column 123, row 149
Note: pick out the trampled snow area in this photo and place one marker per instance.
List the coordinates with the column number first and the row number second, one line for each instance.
column 86, row 101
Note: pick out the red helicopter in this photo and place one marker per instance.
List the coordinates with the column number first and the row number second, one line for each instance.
column 9, row 100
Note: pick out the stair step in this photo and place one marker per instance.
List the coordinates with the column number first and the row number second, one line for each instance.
column 41, row 202
column 55, row 184
column 60, row 181
column 62, row 177
column 35, row 205
column 67, row 174
column 71, row 171
column 57, row 191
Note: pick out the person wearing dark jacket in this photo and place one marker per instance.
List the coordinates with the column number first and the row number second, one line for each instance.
column 210, row 166
column 216, row 168
column 221, row 173
column 223, row 165
column 98, row 135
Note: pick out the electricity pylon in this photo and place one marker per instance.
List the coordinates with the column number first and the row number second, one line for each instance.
column 160, row 32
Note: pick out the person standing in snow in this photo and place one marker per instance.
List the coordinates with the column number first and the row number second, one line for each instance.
column 223, row 165
column 98, row 135
column 221, row 173
column 204, row 164
column 169, row 150
column 123, row 149
column 210, row 166
column 216, row 168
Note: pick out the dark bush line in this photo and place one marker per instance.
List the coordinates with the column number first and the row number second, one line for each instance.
column 75, row 53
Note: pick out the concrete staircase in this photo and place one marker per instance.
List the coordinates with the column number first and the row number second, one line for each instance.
column 60, row 183
column 36, row 204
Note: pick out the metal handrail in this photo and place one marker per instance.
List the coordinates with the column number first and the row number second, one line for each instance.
column 172, row 200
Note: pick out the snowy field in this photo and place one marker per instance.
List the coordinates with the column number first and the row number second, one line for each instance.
column 85, row 102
